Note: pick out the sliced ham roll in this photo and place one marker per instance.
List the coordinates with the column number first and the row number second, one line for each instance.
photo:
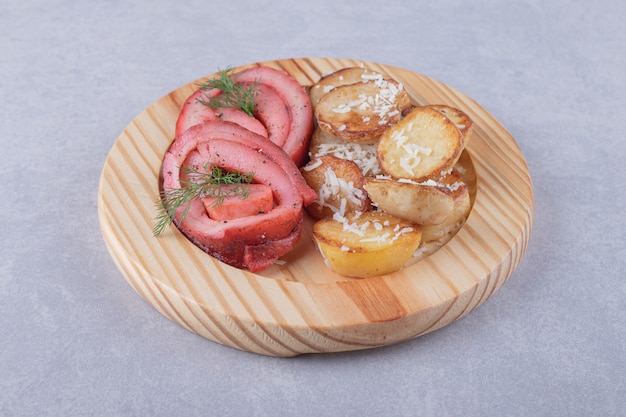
column 195, row 112
column 239, row 117
column 283, row 111
column 297, row 101
column 270, row 109
column 253, row 242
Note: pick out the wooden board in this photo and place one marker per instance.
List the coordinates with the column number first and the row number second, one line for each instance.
column 302, row 306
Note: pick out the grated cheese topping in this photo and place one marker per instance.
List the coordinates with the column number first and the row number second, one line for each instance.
column 411, row 157
column 364, row 155
column 361, row 229
column 382, row 104
column 336, row 186
column 312, row 165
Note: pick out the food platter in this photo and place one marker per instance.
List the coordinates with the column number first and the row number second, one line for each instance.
column 300, row 306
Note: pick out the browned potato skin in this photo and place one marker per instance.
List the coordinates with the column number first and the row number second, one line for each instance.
column 453, row 184
column 460, row 119
column 462, row 206
column 439, row 210
column 351, row 125
column 421, row 204
column 343, row 168
column 347, row 254
column 343, row 76
column 440, row 232
column 431, row 130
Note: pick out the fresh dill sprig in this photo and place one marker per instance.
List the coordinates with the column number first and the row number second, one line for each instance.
column 199, row 184
column 238, row 96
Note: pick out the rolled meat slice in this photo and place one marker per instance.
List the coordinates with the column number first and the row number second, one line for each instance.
column 195, row 112
column 252, row 242
column 233, row 132
column 297, row 101
column 229, row 114
column 272, row 111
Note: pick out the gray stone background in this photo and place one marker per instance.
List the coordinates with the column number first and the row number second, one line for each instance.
column 77, row 340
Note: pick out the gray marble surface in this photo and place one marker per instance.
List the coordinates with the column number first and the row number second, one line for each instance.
column 77, row 340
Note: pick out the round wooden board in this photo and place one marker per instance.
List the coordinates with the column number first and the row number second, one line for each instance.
column 301, row 306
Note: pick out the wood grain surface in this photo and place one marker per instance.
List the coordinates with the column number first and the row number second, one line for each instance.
column 301, row 306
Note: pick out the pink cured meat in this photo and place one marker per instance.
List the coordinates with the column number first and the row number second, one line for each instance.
column 252, row 242
column 233, row 132
column 241, row 118
column 298, row 102
column 272, row 111
column 229, row 241
column 259, row 257
column 194, row 112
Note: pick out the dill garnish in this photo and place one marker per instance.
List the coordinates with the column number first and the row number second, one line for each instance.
column 199, row 184
column 238, row 96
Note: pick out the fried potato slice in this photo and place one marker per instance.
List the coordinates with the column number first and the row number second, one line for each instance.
column 343, row 76
column 462, row 205
column 366, row 244
column 460, row 119
column 423, row 204
column 361, row 112
column 339, row 186
column 423, row 145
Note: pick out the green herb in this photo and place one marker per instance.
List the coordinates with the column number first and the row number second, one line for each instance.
column 238, row 96
column 199, row 184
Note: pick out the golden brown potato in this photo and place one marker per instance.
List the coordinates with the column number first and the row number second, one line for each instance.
column 339, row 186
column 363, row 154
column 418, row 203
column 360, row 112
column 453, row 183
column 439, row 232
column 462, row 205
column 366, row 244
column 460, row 119
column 423, row 145
column 406, row 157
column 343, row 76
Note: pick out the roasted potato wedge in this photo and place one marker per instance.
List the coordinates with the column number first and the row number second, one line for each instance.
column 419, row 203
column 439, row 232
column 423, row 145
column 363, row 154
column 360, row 112
column 339, row 186
column 462, row 205
column 366, row 244
column 343, row 76
column 460, row 119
